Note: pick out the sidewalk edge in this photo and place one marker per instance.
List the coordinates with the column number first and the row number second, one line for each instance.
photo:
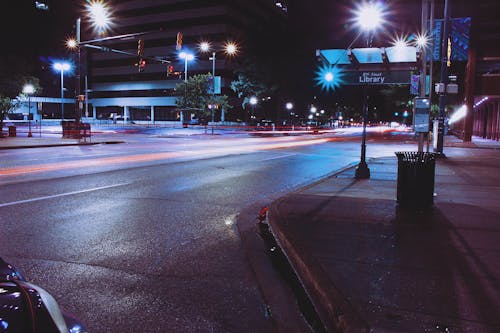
column 334, row 310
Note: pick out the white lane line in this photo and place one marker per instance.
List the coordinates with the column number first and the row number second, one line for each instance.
column 60, row 195
column 276, row 157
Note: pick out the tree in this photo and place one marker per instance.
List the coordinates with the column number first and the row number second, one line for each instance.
column 13, row 77
column 246, row 87
column 193, row 96
column 6, row 106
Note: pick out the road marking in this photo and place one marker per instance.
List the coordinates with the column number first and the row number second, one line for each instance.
column 276, row 157
column 61, row 195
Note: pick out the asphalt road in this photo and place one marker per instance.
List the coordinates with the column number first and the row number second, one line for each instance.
column 141, row 237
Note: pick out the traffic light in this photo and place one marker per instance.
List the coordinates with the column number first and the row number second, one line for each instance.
column 170, row 70
column 142, row 65
column 178, row 45
column 140, row 47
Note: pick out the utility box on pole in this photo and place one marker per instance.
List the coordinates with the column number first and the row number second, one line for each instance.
column 421, row 110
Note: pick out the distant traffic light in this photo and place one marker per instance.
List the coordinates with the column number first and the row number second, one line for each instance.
column 140, row 48
column 178, row 45
column 170, row 70
column 142, row 65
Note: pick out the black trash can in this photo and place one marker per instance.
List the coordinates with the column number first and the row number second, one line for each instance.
column 12, row 131
column 416, row 172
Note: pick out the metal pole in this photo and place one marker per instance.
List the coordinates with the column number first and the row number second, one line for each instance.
column 86, row 96
column 213, row 89
column 444, row 77
column 62, row 95
column 29, row 114
column 423, row 64
column 78, row 72
column 431, row 61
column 362, row 170
column 213, row 66
column 185, row 69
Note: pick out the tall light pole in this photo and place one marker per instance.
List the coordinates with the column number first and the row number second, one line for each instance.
column 289, row 107
column 444, row 77
column 29, row 89
column 99, row 16
column 62, row 67
column 253, row 102
column 229, row 48
column 369, row 17
column 186, row 57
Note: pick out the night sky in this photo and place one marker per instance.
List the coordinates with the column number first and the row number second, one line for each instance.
column 38, row 36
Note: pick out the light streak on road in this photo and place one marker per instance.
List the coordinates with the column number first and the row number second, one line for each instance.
column 228, row 148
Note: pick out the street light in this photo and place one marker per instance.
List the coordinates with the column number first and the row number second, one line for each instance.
column 62, row 67
column 29, row 89
column 229, row 48
column 99, row 15
column 369, row 17
column 187, row 57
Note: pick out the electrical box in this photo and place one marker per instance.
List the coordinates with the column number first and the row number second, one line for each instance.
column 439, row 88
column 452, row 88
column 421, row 110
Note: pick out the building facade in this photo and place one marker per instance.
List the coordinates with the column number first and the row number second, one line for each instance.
column 116, row 86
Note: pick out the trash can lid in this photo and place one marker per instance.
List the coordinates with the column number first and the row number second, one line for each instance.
column 415, row 156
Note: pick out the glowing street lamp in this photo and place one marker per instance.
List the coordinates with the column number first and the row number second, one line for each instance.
column 29, row 89
column 229, row 48
column 289, row 106
column 99, row 15
column 62, row 67
column 187, row 57
column 369, row 17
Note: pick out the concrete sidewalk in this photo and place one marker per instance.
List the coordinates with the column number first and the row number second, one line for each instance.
column 369, row 266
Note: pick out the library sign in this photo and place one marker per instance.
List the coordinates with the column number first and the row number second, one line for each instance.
column 376, row 77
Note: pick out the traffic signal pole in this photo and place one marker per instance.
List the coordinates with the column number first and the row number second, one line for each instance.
column 444, row 76
column 78, row 88
column 423, row 64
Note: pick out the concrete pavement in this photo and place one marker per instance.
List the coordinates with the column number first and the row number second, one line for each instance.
column 369, row 266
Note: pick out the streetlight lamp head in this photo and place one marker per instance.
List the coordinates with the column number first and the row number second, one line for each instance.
column 400, row 43
column 99, row 14
column 230, row 48
column 71, row 43
column 186, row 56
column 289, row 106
column 253, row 100
column 62, row 66
column 28, row 89
column 422, row 41
column 329, row 77
column 369, row 16
column 204, row 46
column 313, row 109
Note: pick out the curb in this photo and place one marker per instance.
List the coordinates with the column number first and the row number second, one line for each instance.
column 332, row 307
column 334, row 310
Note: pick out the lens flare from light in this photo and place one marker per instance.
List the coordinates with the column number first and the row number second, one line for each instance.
column 369, row 16
column 99, row 14
column 230, row 48
column 329, row 77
